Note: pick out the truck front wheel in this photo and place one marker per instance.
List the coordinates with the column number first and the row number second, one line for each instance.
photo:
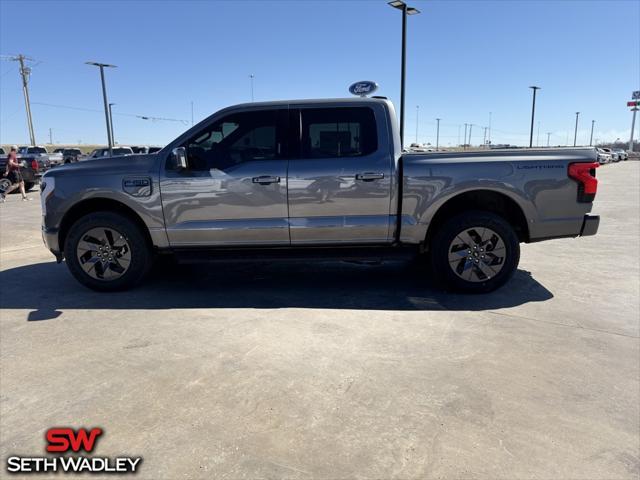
column 475, row 252
column 106, row 251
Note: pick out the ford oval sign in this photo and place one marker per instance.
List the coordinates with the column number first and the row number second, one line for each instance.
column 363, row 88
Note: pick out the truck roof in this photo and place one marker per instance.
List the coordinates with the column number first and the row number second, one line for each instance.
column 313, row 101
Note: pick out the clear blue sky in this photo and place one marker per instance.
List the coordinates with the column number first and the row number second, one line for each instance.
column 465, row 59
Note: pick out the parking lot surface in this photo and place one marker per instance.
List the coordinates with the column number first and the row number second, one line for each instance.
column 335, row 370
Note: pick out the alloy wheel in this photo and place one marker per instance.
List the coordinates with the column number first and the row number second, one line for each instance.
column 104, row 253
column 477, row 254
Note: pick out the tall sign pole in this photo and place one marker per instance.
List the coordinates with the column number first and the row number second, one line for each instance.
column 533, row 113
column 633, row 125
column 636, row 97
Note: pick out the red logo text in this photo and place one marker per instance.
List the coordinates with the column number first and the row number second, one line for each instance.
column 65, row 439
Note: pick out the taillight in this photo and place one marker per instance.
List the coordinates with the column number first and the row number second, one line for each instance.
column 585, row 175
column 34, row 165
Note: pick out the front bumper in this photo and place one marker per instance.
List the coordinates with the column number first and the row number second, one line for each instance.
column 590, row 225
column 50, row 239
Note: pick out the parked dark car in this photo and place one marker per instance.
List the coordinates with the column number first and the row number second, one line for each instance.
column 104, row 153
column 71, row 155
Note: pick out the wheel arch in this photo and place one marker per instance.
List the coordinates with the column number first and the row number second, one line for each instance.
column 485, row 200
column 99, row 204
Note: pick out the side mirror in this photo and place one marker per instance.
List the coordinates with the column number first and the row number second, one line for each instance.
column 179, row 158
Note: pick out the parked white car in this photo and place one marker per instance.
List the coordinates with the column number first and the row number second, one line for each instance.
column 604, row 155
column 619, row 154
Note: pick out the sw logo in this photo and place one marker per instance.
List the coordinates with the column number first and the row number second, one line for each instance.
column 66, row 440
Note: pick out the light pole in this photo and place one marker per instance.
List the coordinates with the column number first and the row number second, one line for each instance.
column 251, row 79
column 575, row 133
column 417, row 110
column 464, row 144
column 470, row 128
column 591, row 137
column 106, row 103
column 548, row 135
column 533, row 113
column 484, row 139
column 406, row 10
column 437, row 133
column 633, row 126
column 113, row 138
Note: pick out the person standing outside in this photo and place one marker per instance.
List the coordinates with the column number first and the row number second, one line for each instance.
column 14, row 175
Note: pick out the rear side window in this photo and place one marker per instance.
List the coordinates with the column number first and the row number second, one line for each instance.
column 338, row 132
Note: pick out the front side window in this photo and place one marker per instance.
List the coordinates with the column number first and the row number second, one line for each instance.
column 235, row 139
column 338, row 132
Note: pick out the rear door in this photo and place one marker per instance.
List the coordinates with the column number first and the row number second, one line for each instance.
column 339, row 183
column 235, row 189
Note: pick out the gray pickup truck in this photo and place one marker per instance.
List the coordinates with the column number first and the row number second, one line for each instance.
column 314, row 179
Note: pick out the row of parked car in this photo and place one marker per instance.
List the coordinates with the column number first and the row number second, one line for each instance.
column 608, row 155
column 75, row 155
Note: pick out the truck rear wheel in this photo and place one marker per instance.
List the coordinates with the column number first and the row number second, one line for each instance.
column 106, row 251
column 475, row 252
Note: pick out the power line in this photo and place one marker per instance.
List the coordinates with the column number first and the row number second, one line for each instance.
column 142, row 117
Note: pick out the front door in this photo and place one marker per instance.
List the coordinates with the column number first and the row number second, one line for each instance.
column 340, row 180
column 234, row 191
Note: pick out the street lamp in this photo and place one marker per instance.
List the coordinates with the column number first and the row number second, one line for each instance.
column 575, row 133
column 113, row 138
column 591, row 137
column 417, row 112
column 106, row 103
column 437, row 133
column 406, row 10
column 533, row 113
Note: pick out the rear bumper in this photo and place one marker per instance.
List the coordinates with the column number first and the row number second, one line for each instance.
column 590, row 225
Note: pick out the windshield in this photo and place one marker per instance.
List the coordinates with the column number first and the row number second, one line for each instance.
column 122, row 151
column 36, row 150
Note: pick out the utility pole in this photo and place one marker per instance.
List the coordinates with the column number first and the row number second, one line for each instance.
column 106, row 103
column 591, row 137
column 533, row 113
column 437, row 133
column 25, row 71
column 484, row 139
column 575, row 133
column 417, row 110
column 464, row 145
column 548, row 135
column 251, row 80
column 633, row 125
column 113, row 139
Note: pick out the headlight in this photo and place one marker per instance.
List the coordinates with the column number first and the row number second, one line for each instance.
column 46, row 190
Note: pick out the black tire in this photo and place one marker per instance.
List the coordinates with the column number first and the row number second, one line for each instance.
column 28, row 186
column 138, row 250
column 448, row 238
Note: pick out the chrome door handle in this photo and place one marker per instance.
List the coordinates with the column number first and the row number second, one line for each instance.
column 265, row 180
column 369, row 176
